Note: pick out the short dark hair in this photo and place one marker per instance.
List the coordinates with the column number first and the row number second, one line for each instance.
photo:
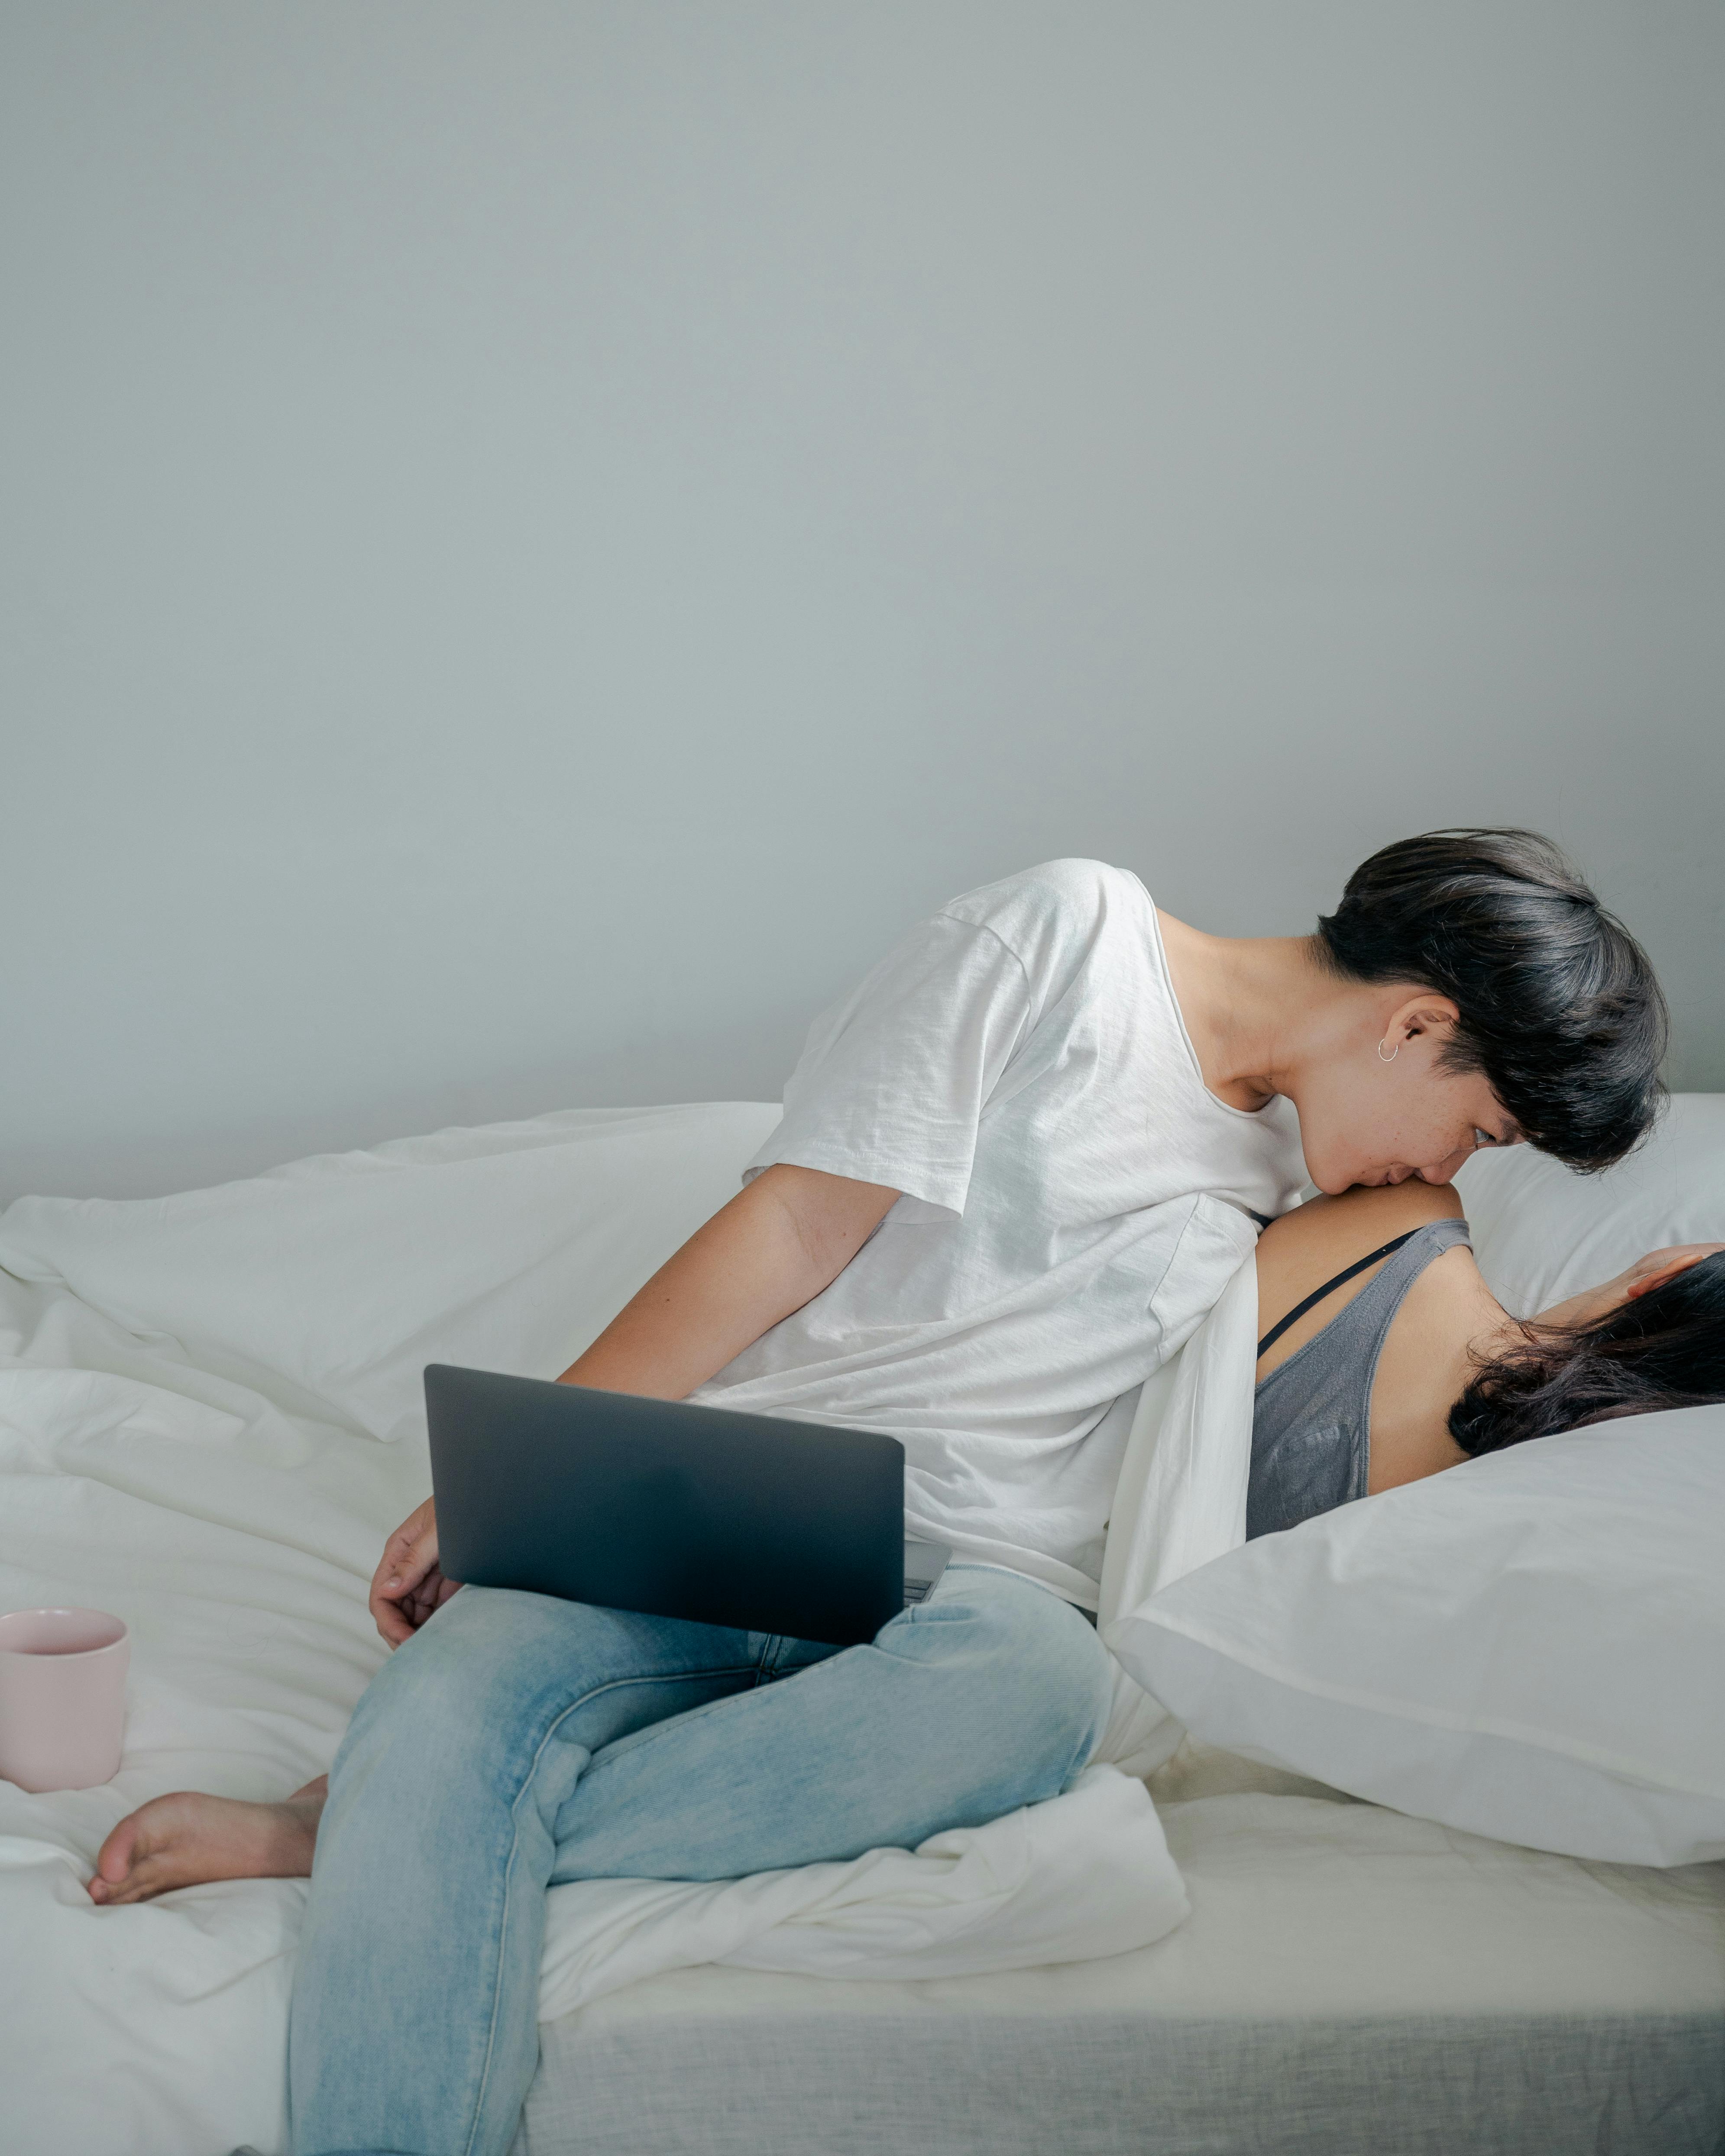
column 1558, row 1005
column 1666, row 1349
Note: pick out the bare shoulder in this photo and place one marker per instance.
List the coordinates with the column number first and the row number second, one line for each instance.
column 1316, row 1241
column 1356, row 1221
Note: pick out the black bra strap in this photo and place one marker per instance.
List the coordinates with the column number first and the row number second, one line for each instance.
column 1329, row 1288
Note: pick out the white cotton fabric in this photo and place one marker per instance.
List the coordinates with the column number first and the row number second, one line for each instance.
column 234, row 1522
column 1074, row 1201
column 1528, row 1645
column 1084, row 1875
column 1543, row 1234
column 330, row 1283
column 1181, row 1500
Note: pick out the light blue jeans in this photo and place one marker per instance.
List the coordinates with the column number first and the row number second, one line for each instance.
column 517, row 1741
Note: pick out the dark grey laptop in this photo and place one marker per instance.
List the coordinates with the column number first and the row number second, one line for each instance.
column 745, row 1520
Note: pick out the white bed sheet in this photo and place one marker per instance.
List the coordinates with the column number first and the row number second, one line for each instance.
column 194, row 1455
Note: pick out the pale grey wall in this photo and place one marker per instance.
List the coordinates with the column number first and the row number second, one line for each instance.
column 540, row 537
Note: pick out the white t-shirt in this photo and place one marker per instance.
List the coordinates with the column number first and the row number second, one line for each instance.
column 1075, row 1200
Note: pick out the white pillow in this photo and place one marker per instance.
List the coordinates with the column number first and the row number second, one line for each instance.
column 1542, row 1232
column 328, row 1285
column 1531, row 1646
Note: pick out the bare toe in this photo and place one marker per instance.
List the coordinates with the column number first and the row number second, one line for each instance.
column 149, row 1877
column 129, row 1864
column 114, row 1858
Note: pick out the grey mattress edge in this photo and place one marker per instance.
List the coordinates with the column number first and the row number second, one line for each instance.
column 1120, row 2085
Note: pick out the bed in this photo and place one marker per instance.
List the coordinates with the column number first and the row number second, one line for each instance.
column 218, row 1465
column 1350, row 1983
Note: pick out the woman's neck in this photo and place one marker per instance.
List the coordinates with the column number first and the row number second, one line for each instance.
column 1449, row 1323
column 1251, row 1005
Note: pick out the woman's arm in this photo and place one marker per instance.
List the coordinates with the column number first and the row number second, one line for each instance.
column 777, row 1244
column 788, row 1234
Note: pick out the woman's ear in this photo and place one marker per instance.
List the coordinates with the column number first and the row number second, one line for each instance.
column 1423, row 1014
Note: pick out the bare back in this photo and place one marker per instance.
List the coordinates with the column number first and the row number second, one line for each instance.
column 1426, row 1359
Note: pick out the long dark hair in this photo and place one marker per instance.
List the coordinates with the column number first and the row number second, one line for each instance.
column 1666, row 1349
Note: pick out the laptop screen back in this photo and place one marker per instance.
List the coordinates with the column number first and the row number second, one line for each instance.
column 749, row 1520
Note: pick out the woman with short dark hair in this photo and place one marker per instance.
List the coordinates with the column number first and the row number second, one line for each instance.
column 1556, row 1003
column 1018, row 1165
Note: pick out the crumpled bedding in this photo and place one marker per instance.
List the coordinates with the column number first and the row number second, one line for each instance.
column 192, row 1394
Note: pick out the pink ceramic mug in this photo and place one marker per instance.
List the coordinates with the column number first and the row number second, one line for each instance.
column 62, row 1697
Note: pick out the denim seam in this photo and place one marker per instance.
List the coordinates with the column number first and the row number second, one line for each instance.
column 677, row 1676
column 913, row 1613
column 772, row 1658
column 648, row 1736
column 651, row 1734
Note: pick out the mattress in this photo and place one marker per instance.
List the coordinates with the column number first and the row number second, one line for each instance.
column 1351, row 1982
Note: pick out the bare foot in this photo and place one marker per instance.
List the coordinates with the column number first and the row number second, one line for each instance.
column 185, row 1839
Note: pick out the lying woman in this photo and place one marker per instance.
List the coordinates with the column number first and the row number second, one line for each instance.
column 1383, row 1355
column 1015, row 1167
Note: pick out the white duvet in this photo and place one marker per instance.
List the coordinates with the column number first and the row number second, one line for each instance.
column 210, row 1417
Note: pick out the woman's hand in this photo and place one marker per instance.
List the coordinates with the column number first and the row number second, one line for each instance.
column 1653, row 1270
column 1655, row 1267
column 408, row 1585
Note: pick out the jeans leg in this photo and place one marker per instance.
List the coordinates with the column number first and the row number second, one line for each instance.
column 516, row 1738
column 414, row 2026
column 991, row 1695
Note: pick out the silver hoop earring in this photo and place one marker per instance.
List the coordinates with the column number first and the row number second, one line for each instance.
column 1391, row 1056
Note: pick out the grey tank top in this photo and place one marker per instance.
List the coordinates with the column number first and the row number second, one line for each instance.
column 1311, row 1420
